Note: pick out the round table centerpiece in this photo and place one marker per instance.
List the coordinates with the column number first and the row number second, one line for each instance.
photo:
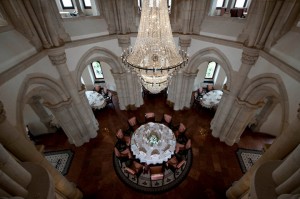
column 153, row 138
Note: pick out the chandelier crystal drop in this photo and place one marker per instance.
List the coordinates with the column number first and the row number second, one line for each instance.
column 154, row 57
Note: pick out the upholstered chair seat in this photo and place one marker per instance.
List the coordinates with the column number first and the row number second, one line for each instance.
column 156, row 172
column 135, row 168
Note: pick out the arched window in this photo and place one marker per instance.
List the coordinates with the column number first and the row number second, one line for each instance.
column 98, row 73
column 211, row 69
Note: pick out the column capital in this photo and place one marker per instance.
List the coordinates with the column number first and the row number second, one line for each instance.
column 124, row 41
column 185, row 41
column 2, row 113
column 57, row 56
column 249, row 55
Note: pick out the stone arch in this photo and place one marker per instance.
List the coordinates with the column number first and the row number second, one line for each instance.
column 261, row 87
column 44, row 86
column 181, row 87
column 101, row 55
column 210, row 54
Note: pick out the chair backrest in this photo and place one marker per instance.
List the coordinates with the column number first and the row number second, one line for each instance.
column 210, row 87
column 180, row 164
column 132, row 121
column 167, row 118
column 120, row 134
column 149, row 115
column 181, row 128
column 97, row 88
column 154, row 170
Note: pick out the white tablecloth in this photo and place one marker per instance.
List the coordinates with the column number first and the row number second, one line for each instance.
column 211, row 99
column 153, row 153
column 95, row 99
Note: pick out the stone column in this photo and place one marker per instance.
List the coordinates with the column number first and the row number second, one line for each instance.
column 124, row 42
column 249, row 58
column 120, row 80
column 184, row 42
column 78, row 7
column 287, row 175
column 11, row 186
column 177, row 90
column 64, row 113
column 281, row 147
column 25, row 151
column 134, row 94
column 39, row 109
column 82, row 119
column 190, row 79
column 14, row 170
column 241, row 114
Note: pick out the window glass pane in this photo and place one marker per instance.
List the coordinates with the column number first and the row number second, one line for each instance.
column 67, row 3
column 239, row 3
column 97, row 70
column 219, row 3
column 210, row 70
column 87, row 3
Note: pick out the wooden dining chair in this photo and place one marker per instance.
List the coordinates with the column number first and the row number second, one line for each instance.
column 133, row 123
column 156, row 173
column 135, row 169
column 167, row 120
column 175, row 163
column 121, row 136
column 149, row 117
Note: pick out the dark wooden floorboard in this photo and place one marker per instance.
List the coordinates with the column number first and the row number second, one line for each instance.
column 215, row 166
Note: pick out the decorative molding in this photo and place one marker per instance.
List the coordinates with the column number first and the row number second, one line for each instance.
column 249, row 55
column 20, row 67
column 123, row 40
column 185, row 41
column 214, row 40
column 58, row 59
column 2, row 113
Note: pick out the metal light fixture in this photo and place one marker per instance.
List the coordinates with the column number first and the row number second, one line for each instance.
column 154, row 57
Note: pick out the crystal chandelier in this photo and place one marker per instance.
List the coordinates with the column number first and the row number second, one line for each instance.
column 154, row 57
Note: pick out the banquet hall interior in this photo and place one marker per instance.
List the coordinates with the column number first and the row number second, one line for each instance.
column 66, row 90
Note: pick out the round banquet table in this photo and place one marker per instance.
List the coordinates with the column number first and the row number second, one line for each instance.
column 95, row 99
column 211, row 99
column 153, row 143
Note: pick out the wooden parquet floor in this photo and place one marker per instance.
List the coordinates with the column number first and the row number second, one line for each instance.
column 215, row 165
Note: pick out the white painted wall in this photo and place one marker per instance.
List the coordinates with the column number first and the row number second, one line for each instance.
column 14, row 48
column 227, row 28
column 109, row 79
column 220, row 76
column 292, row 87
column 74, row 54
column 85, row 27
column 33, row 121
column 272, row 125
column 233, row 54
column 11, row 88
column 87, row 78
column 288, row 49
column 200, row 76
